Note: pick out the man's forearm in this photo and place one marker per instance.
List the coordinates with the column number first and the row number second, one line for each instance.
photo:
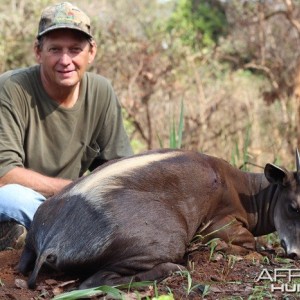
column 47, row 186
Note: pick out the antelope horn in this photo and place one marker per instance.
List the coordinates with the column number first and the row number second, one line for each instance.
column 298, row 164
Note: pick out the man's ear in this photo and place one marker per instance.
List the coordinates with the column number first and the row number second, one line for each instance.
column 93, row 51
column 37, row 51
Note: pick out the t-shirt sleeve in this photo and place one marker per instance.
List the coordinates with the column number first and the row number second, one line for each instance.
column 11, row 150
column 113, row 139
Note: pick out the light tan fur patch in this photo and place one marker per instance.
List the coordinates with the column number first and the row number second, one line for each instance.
column 104, row 178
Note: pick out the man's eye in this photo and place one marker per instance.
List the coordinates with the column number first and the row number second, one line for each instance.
column 75, row 50
column 54, row 50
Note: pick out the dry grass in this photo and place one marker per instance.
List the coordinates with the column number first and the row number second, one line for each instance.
column 224, row 110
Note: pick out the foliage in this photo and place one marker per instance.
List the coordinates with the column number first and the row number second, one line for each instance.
column 224, row 87
column 175, row 138
column 190, row 287
column 199, row 22
column 264, row 38
column 213, row 243
column 236, row 156
column 18, row 31
column 115, row 292
column 164, row 297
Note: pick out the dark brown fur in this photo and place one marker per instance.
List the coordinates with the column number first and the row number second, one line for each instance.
column 139, row 225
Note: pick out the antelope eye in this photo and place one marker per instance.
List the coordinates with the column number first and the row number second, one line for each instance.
column 293, row 209
column 51, row 258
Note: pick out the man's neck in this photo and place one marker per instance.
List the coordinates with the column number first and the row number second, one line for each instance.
column 66, row 97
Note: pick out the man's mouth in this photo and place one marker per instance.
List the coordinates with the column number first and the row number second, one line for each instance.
column 65, row 71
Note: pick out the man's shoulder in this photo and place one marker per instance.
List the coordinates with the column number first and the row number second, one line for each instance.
column 97, row 79
column 17, row 75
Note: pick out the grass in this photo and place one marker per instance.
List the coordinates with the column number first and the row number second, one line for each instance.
column 272, row 238
column 190, row 287
column 164, row 297
column 115, row 292
column 228, row 265
column 206, row 236
column 237, row 156
column 259, row 291
column 175, row 135
column 212, row 244
column 79, row 294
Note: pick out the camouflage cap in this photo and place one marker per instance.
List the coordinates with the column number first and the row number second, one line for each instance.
column 63, row 15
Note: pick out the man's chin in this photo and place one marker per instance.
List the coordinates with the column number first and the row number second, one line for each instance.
column 67, row 83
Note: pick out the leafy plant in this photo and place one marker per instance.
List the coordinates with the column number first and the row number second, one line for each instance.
column 115, row 292
column 199, row 23
column 236, row 156
column 175, row 136
column 205, row 237
column 285, row 261
column 206, row 290
column 272, row 238
column 266, row 260
column 232, row 259
column 78, row 294
column 164, row 297
column 169, row 296
column 190, row 287
column 261, row 293
column 212, row 246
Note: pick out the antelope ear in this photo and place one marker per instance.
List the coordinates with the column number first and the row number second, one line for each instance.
column 298, row 165
column 275, row 174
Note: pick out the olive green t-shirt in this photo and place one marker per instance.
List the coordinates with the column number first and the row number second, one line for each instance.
column 37, row 133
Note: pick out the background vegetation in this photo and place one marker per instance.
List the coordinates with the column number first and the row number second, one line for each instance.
column 233, row 64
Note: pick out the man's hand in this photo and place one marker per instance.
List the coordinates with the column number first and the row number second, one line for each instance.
column 47, row 186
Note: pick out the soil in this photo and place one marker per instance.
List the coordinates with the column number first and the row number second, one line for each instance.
column 211, row 275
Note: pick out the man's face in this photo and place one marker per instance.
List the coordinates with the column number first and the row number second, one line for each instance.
column 64, row 57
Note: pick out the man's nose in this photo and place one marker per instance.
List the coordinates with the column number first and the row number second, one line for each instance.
column 65, row 58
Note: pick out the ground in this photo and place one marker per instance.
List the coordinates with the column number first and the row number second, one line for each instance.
column 211, row 275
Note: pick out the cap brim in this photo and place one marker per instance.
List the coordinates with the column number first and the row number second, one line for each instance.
column 63, row 26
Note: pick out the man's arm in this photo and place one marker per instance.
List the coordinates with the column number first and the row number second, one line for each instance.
column 47, row 186
column 113, row 139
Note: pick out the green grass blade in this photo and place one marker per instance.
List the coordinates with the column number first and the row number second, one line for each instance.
column 246, row 146
column 175, row 138
column 160, row 141
column 172, row 135
column 78, row 294
column 181, row 126
column 114, row 292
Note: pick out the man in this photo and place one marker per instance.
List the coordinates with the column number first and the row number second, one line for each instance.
column 56, row 120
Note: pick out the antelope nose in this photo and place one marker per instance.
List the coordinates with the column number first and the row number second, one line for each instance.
column 293, row 255
column 291, row 252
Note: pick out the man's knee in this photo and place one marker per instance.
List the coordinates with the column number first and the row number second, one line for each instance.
column 17, row 191
column 19, row 203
